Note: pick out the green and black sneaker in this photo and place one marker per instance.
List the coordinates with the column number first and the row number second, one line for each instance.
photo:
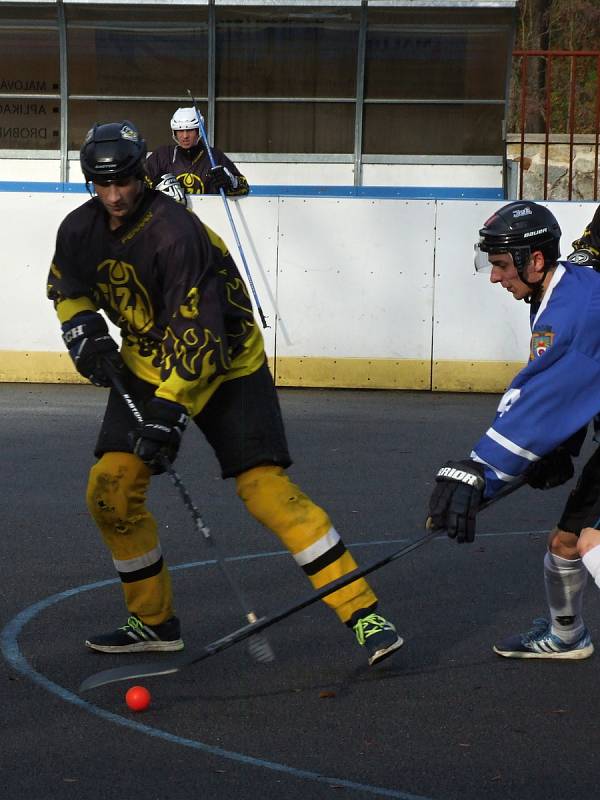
column 137, row 637
column 377, row 635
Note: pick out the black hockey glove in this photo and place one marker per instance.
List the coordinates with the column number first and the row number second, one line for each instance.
column 159, row 437
column 90, row 345
column 456, row 498
column 222, row 178
column 552, row 470
column 170, row 186
column 586, row 257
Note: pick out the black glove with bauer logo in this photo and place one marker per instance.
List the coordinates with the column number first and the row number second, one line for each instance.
column 456, row 498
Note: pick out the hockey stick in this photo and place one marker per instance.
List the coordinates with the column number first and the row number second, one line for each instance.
column 213, row 164
column 258, row 647
column 150, row 669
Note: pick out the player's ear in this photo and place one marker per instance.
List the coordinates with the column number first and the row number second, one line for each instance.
column 538, row 262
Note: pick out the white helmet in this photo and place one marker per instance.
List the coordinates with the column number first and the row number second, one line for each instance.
column 184, row 119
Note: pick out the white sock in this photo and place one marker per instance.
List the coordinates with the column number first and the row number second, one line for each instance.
column 592, row 563
column 565, row 581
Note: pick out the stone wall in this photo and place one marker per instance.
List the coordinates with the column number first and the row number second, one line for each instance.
column 584, row 165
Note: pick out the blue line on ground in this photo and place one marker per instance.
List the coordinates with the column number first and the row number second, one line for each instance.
column 12, row 653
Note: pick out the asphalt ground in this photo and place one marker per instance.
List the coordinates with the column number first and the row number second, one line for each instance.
column 444, row 719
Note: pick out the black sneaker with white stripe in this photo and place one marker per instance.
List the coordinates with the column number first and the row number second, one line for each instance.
column 137, row 637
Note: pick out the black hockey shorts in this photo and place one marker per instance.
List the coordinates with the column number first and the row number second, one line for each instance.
column 242, row 422
column 582, row 508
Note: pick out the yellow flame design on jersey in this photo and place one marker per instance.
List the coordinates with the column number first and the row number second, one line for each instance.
column 190, row 357
column 189, row 310
column 124, row 293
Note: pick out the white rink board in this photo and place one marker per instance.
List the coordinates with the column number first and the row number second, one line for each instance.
column 353, row 279
column 474, row 319
column 29, row 226
column 255, row 220
column 356, row 277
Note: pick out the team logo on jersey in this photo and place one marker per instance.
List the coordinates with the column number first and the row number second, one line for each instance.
column 191, row 182
column 119, row 284
column 540, row 342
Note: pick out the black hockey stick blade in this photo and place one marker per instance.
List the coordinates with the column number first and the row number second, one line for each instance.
column 147, row 669
column 168, row 667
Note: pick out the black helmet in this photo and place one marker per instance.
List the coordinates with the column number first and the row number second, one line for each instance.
column 520, row 228
column 112, row 151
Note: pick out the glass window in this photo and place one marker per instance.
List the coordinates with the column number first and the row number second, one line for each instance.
column 451, row 55
column 285, row 127
column 29, row 79
column 135, row 51
column 273, row 53
column 453, row 129
column 152, row 119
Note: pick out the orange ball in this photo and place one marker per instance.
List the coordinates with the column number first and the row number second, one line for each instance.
column 138, row 698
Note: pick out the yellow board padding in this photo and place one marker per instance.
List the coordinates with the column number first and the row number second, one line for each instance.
column 474, row 376
column 24, row 366
column 327, row 373
column 353, row 373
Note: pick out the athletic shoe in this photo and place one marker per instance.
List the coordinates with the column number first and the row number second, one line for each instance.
column 540, row 642
column 137, row 637
column 377, row 635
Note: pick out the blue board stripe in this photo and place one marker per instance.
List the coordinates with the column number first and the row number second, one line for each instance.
column 368, row 192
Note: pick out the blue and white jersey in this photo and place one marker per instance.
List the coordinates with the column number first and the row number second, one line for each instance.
column 558, row 392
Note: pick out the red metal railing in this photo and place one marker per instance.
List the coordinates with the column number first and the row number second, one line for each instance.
column 590, row 109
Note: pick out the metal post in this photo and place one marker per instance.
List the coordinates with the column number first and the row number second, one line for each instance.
column 212, row 42
column 64, row 92
column 360, row 93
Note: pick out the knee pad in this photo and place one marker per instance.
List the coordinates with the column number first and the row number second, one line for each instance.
column 116, row 490
column 276, row 502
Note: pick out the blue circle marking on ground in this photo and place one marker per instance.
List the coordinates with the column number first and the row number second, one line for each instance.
column 13, row 655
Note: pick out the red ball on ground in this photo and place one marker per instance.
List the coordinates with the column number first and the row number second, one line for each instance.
column 138, row 698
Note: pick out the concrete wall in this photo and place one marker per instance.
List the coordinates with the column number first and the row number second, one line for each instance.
column 358, row 292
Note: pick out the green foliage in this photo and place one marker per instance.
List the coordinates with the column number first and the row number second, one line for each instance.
column 561, row 92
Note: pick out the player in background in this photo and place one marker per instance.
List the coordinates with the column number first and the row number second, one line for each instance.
column 190, row 349
column 586, row 249
column 540, row 422
column 188, row 161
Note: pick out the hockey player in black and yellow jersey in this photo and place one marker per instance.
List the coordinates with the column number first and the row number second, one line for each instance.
column 190, row 163
column 190, row 349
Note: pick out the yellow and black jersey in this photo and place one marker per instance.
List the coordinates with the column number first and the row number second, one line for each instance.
column 170, row 285
column 192, row 169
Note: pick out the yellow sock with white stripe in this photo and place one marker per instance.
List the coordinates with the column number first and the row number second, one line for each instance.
column 306, row 530
column 116, row 498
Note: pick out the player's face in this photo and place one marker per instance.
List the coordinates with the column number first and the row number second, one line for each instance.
column 505, row 273
column 187, row 139
column 120, row 198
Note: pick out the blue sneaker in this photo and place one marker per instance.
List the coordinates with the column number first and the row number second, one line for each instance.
column 540, row 642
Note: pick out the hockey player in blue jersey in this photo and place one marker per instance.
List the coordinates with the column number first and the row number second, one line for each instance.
column 540, row 422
